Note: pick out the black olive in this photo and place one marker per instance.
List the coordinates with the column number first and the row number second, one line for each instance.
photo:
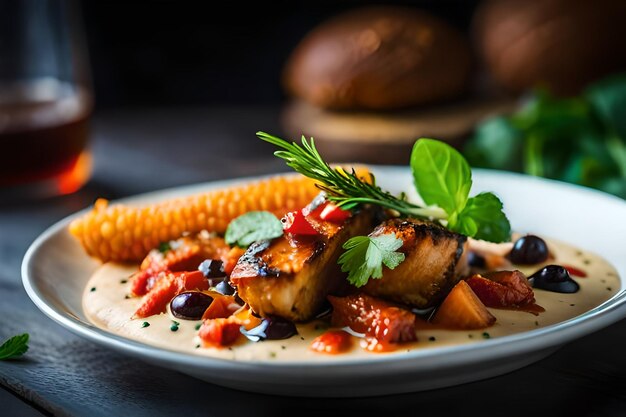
column 271, row 328
column 212, row 268
column 225, row 288
column 476, row 260
column 529, row 250
column 554, row 278
column 190, row 305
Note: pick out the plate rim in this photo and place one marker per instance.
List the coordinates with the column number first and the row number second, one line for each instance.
column 550, row 336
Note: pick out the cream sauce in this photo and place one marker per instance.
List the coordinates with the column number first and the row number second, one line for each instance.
column 106, row 305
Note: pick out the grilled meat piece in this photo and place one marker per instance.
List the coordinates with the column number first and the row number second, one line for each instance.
column 435, row 260
column 291, row 276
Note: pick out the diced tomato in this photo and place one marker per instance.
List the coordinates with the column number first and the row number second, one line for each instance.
column 335, row 214
column 373, row 317
column 296, row 223
column 219, row 332
column 332, row 342
column 168, row 287
column 502, row 289
column 187, row 253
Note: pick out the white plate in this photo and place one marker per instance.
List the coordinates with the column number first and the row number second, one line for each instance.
column 55, row 271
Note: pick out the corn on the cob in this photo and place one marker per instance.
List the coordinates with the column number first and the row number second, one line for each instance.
column 122, row 233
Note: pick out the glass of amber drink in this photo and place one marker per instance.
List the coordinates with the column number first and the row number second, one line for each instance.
column 45, row 99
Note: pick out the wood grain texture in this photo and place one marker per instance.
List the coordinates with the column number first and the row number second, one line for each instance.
column 66, row 375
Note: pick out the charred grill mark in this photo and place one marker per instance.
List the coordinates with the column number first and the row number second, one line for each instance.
column 318, row 249
column 250, row 257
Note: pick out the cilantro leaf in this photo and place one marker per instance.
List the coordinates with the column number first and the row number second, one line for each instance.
column 252, row 227
column 441, row 174
column 483, row 218
column 365, row 256
column 14, row 347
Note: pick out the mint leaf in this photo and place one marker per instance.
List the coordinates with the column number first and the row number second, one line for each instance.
column 365, row 256
column 441, row 175
column 483, row 218
column 14, row 347
column 252, row 227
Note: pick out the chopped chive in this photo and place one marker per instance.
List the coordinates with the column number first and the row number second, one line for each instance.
column 145, row 324
column 471, row 336
column 164, row 247
column 283, row 347
column 126, row 297
column 197, row 346
column 536, row 323
column 432, row 338
column 198, row 326
column 176, row 323
column 92, row 289
column 174, row 327
column 123, row 281
column 486, row 335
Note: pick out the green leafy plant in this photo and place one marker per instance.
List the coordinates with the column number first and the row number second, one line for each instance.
column 365, row 256
column 14, row 347
column 580, row 140
column 251, row 227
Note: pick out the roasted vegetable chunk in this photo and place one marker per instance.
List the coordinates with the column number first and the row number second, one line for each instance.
column 373, row 317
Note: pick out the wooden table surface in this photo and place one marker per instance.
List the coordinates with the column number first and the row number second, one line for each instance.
column 137, row 151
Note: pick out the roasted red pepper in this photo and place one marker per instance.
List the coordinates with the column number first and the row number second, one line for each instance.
column 333, row 213
column 373, row 317
column 296, row 223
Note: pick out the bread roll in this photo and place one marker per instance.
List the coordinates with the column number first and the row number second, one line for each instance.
column 379, row 58
column 559, row 44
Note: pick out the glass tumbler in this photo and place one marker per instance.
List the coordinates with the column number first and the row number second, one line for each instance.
column 45, row 99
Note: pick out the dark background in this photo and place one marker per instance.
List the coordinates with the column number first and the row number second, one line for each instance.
column 174, row 53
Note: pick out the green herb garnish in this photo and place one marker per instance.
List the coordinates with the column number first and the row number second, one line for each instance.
column 252, row 227
column 442, row 178
column 145, row 324
column 346, row 189
column 164, row 247
column 14, row 347
column 365, row 256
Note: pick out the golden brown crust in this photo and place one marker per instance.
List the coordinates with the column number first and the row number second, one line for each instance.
column 292, row 279
column 435, row 260
column 379, row 58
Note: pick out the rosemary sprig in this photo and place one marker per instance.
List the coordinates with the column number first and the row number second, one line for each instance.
column 346, row 189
